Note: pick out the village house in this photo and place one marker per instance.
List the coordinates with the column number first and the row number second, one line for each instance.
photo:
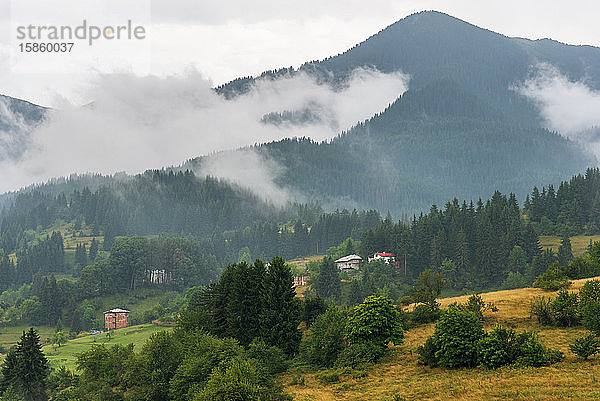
column 116, row 319
column 301, row 280
column 350, row 262
column 387, row 257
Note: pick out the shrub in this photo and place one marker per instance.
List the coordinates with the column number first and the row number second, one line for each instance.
column 585, row 346
column 590, row 292
column 590, row 317
column 329, row 376
column 589, row 301
column 313, row 307
column 498, row 348
column 238, row 379
column 375, row 320
column 553, row 279
column 325, row 340
column 476, row 305
column 272, row 358
column 513, row 281
column 427, row 352
column 565, row 309
column 540, row 308
column 423, row 314
column 360, row 354
column 533, row 353
column 455, row 338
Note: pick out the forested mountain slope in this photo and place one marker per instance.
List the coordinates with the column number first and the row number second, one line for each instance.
column 462, row 129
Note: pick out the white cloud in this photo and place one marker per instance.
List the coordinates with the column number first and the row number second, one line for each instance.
column 570, row 108
column 567, row 107
column 138, row 123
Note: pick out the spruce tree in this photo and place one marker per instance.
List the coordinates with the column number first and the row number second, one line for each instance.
column 565, row 253
column 26, row 368
column 281, row 310
column 93, row 252
column 80, row 256
column 327, row 283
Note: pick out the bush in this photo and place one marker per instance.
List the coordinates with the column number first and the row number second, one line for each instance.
column 585, row 346
column 590, row 317
column 533, row 353
column 272, row 358
column 325, row 340
column 427, row 352
column 360, row 354
column 498, row 348
column 313, row 307
column 329, row 376
column 589, row 301
column 513, row 281
column 375, row 320
column 553, row 279
column 590, row 292
column 423, row 314
column 238, row 379
column 540, row 308
column 565, row 309
column 476, row 305
column 455, row 339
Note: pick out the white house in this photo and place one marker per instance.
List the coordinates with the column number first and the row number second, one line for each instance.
column 387, row 257
column 350, row 262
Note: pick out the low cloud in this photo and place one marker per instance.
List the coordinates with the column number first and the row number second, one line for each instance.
column 248, row 169
column 14, row 132
column 135, row 123
column 570, row 108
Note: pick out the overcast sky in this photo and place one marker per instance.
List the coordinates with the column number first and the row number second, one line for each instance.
column 232, row 38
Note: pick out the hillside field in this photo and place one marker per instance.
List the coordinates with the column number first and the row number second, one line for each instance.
column 579, row 243
column 67, row 354
column 399, row 377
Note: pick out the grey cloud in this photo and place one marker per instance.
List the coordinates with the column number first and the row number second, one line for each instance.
column 570, row 108
column 138, row 123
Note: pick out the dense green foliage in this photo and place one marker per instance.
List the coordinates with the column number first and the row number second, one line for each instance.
column 454, row 342
column 478, row 239
column 247, row 302
column 586, row 346
column 574, row 208
column 459, row 341
column 179, row 366
column 326, row 338
column 376, row 321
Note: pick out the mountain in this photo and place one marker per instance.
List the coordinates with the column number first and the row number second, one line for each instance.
column 17, row 117
column 460, row 130
column 430, row 46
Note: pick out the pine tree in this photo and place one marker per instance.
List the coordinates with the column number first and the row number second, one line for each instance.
column 281, row 310
column 243, row 310
column 80, row 256
column 565, row 253
column 355, row 294
column 93, row 252
column 26, row 368
column 327, row 283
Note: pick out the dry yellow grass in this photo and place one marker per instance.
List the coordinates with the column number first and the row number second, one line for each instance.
column 579, row 243
column 400, row 374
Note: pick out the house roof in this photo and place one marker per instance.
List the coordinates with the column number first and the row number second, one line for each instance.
column 348, row 258
column 384, row 254
column 117, row 310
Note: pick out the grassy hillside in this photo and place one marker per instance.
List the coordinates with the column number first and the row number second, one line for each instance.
column 10, row 335
column 400, row 376
column 579, row 243
column 67, row 354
